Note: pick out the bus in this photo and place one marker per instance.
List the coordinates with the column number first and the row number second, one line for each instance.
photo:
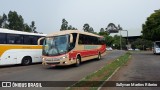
column 156, row 47
column 71, row 47
column 17, row 47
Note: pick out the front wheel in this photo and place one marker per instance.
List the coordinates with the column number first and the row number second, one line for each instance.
column 99, row 56
column 78, row 61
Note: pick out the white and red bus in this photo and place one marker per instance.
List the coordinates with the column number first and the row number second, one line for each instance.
column 71, row 47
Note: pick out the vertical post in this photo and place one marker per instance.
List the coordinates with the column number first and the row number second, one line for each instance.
column 127, row 37
column 120, row 40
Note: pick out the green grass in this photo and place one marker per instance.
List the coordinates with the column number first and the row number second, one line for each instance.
column 101, row 75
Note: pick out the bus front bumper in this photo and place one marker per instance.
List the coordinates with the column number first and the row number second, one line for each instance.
column 61, row 62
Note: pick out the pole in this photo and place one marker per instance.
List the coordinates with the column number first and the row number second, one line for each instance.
column 120, row 41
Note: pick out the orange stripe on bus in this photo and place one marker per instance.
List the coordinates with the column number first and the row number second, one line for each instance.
column 6, row 47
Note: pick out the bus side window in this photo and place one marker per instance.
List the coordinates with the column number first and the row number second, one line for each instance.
column 35, row 39
column 14, row 39
column 2, row 38
column 80, row 39
column 28, row 40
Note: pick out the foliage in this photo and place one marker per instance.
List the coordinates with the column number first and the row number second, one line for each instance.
column 108, row 39
column 16, row 22
column 102, row 30
column 116, row 42
column 32, row 27
column 91, row 30
column 151, row 28
column 141, row 44
column 87, row 28
column 65, row 26
column 3, row 20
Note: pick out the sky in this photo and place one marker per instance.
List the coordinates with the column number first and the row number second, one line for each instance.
column 48, row 14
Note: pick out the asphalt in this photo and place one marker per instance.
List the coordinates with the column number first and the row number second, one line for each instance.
column 37, row 72
column 143, row 66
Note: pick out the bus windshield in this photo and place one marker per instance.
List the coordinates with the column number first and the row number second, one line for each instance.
column 55, row 45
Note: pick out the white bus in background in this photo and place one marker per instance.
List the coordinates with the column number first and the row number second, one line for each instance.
column 17, row 47
column 156, row 47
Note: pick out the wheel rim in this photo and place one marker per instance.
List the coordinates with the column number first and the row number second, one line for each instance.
column 99, row 56
column 78, row 62
column 26, row 61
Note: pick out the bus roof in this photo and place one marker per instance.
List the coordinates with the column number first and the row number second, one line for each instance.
column 71, row 31
column 2, row 30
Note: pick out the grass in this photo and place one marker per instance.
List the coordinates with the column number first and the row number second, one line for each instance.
column 94, row 80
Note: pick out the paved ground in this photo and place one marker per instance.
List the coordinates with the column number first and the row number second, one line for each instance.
column 38, row 73
column 144, row 66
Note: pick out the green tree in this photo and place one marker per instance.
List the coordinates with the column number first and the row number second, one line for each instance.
column 64, row 25
column 70, row 27
column 3, row 21
column 108, row 39
column 151, row 28
column 16, row 21
column 74, row 28
column 86, row 27
column 32, row 27
column 27, row 28
column 141, row 44
column 102, row 30
column 116, row 42
column 91, row 30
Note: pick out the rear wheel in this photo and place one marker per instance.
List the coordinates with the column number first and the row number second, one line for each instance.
column 26, row 61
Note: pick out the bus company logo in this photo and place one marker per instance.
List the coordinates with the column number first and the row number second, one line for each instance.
column 6, row 84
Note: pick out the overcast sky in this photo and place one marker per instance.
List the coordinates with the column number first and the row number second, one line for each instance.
column 48, row 14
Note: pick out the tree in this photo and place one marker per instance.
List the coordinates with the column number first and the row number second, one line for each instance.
column 64, row 25
column 70, row 27
column 102, row 30
column 141, row 44
column 16, row 21
column 32, row 27
column 91, row 30
column 116, row 42
column 74, row 28
column 151, row 28
column 86, row 27
column 3, row 21
column 108, row 39
column 27, row 28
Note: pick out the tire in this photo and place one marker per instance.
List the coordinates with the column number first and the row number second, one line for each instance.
column 26, row 61
column 99, row 56
column 78, row 61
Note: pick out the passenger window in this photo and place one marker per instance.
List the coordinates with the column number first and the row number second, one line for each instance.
column 2, row 38
column 14, row 39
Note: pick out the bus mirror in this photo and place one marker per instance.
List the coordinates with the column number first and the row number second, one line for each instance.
column 71, row 38
column 39, row 40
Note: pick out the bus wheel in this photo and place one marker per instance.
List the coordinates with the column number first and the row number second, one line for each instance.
column 78, row 61
column 99, row 56
column 26, row 61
